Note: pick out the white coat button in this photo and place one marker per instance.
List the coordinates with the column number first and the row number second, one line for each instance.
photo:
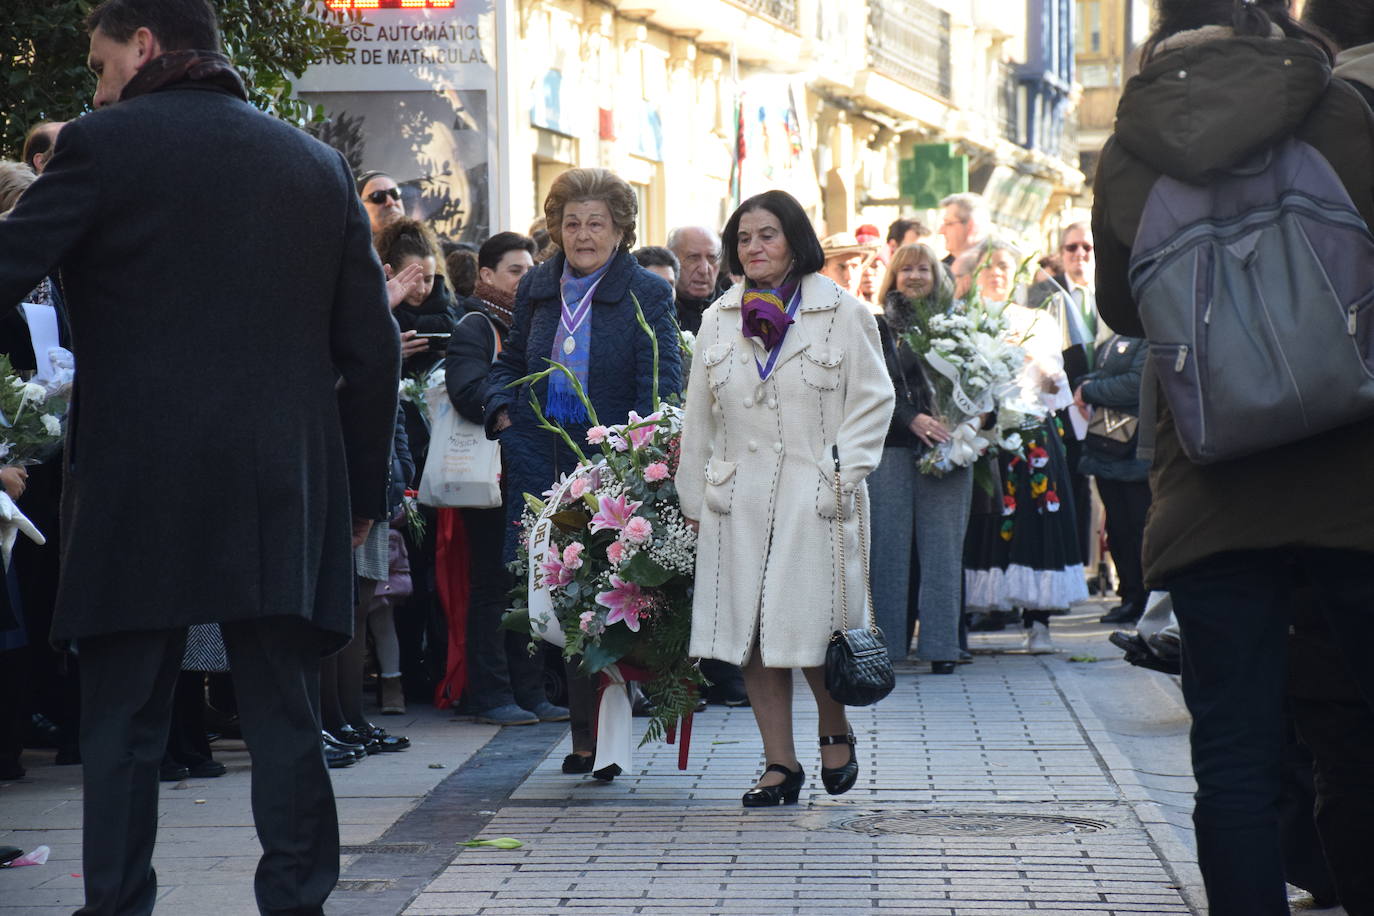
column 777, row 447
column 753, row 446
column 748, row 402
column 744, row 358
column 773, row 403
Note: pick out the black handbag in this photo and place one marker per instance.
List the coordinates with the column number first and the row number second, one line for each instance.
column 858, row 670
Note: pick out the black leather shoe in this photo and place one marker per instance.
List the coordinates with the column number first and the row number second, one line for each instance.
column 1122, row 613
column 364, row 739
column 839, row 780
column 942, row 667
column 785, row 793
column 387, row 741
column 207, row 769
column 576, row 764
column 171, row 772
column 357, row 750
column 336, row 757
column 607, row 773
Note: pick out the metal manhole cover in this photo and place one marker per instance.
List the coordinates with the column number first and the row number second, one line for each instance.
column 385, row 849
column 929, row 823
column 363, row 884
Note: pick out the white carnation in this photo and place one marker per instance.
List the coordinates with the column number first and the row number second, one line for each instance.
column 52, row 425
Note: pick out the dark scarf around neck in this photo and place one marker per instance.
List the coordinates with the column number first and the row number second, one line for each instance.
column 207, row 69
column 501, row 303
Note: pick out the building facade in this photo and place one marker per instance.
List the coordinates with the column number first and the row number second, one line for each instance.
column 865, row 110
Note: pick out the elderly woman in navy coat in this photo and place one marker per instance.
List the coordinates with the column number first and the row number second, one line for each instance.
column 576, row 308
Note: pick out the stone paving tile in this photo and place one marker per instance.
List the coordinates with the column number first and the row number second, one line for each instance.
column 996, row 739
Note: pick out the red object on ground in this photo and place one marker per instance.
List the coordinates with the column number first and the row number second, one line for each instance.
column 451, row 581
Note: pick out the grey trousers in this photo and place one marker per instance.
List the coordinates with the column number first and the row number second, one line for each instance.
column 931, row 512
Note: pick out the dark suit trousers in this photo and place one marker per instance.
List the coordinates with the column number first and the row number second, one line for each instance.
column 1126, row 502
column 1234, row 611
column 127, row 685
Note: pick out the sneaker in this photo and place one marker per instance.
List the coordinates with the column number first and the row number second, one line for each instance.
column 1038, row 639
column 548, row 712
column 510, row 714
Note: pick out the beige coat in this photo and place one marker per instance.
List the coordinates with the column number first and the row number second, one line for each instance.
column 757, row 471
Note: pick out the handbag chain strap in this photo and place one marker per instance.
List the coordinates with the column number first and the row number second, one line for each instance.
column 860, row 504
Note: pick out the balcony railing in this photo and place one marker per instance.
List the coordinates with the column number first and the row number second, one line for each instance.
column 783, row 12
column 908, row 40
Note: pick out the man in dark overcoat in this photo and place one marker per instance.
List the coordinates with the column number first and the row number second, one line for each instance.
column 229, row 435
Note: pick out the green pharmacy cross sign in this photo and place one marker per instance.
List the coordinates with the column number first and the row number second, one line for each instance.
column 932, row 173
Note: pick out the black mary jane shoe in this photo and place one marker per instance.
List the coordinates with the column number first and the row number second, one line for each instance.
column 784, row 793
column 839, row 780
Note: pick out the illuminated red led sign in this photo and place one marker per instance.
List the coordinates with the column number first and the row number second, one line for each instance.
column 389, row 4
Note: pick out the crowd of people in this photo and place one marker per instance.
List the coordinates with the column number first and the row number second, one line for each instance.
column 811, row 428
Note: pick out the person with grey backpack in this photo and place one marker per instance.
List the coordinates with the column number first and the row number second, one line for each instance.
column 1231, row 218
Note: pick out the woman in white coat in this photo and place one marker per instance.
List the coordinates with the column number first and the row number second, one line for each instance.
column 787, row 369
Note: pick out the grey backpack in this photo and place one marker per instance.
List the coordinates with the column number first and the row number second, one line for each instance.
column 1255, row 292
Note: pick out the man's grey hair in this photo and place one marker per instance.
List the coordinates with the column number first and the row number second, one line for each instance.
column 1082, row 225
column 675, row 236
column 972, row 208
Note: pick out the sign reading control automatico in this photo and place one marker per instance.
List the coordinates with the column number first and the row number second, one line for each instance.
column 417, row 96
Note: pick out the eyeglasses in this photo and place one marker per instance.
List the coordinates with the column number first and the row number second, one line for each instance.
column 379, row 197
column 1074, row 246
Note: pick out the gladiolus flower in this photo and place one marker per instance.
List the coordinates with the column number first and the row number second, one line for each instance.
column 596, row 435
column 656, row 472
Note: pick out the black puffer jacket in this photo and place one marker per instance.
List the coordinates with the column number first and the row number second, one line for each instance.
column 1115, row 383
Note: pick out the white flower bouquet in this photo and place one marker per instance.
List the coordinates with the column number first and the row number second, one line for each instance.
column 31, row 426
column 974, row 369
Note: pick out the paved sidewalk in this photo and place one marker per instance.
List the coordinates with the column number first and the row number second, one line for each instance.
column 990, row 791
column 207, row 849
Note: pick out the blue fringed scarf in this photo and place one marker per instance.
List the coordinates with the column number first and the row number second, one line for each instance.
column 574, row 325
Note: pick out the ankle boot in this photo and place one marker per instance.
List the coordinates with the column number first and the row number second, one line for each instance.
column 393, row 700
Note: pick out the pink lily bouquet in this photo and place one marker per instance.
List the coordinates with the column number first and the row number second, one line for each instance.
column 607, row 560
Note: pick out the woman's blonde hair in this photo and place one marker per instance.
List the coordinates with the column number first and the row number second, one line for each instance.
column 15, row 178
column 577, row 185
column 915, row 253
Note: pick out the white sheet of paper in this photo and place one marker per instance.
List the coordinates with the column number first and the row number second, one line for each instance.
column 1078, row 422
column 42, row 320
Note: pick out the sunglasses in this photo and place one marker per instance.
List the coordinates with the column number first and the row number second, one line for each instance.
column 1074, row 246
column 379, row 197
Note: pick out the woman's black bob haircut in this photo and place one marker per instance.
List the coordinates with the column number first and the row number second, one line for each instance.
column 808, row 258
